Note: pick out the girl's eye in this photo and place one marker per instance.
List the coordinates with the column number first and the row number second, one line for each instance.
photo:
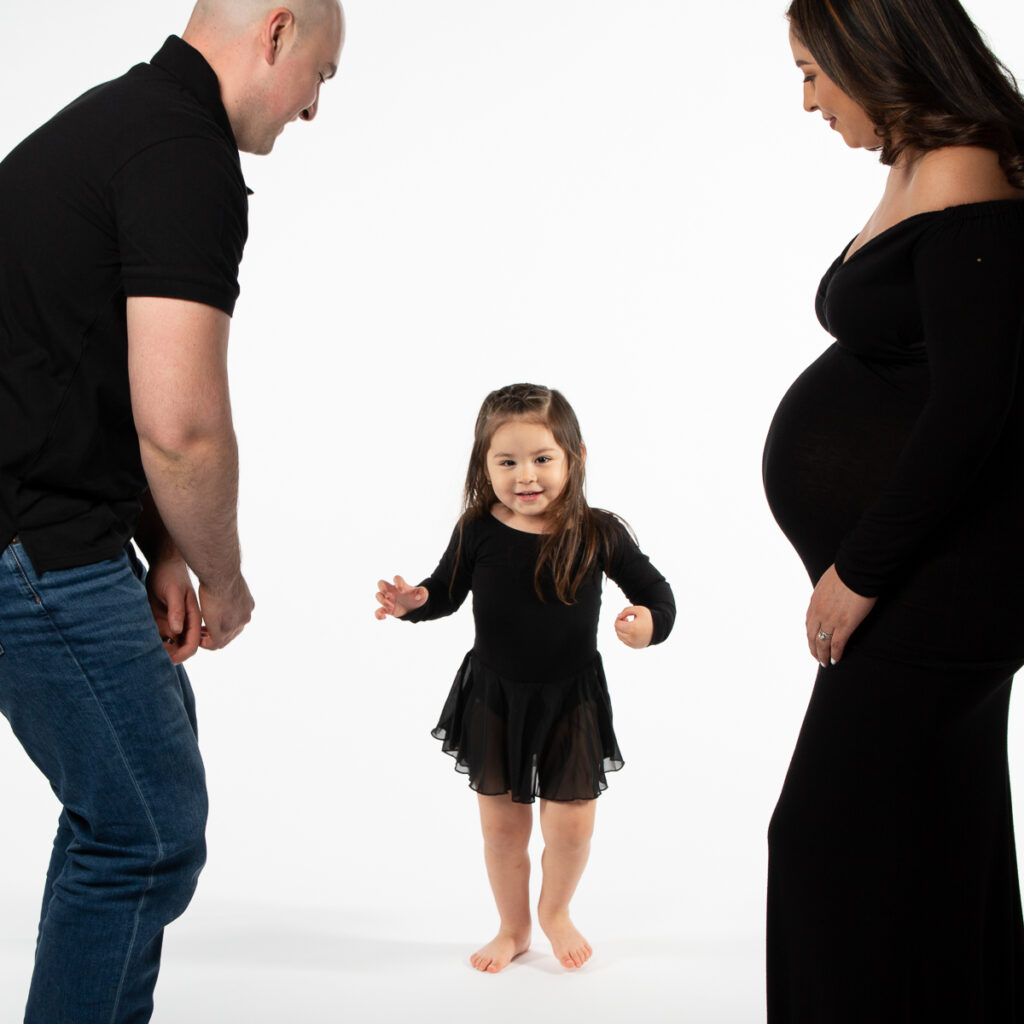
column 543, row 458
column 507, row 462
column 809, row 78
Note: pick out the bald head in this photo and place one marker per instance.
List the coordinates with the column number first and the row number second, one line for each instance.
column 270, row 59
column 238, row 15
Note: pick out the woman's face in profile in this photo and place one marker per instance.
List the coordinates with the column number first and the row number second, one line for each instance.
column 843, row 114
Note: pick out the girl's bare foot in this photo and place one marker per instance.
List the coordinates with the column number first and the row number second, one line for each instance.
column 500, row 951
column 570, row 948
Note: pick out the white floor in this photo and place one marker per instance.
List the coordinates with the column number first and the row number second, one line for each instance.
column 225, row 964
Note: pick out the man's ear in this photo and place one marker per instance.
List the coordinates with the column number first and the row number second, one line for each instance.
column 276, row 28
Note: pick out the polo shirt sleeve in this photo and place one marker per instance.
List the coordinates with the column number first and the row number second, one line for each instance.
column 181, row 210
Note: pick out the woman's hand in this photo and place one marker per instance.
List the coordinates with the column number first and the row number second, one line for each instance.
column 634, row 626
column 834, row 613
column 175, row 607
column 399, row 598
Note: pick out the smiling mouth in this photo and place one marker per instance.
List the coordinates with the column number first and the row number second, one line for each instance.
column 528, row 495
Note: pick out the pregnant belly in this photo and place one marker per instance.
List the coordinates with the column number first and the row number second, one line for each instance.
column 833, row 442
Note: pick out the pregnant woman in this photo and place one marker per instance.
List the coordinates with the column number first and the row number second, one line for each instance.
column 895, row 466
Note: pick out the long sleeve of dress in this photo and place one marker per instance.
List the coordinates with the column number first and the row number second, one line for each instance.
column 641, row 582
column 449, row 583
column 969, row 277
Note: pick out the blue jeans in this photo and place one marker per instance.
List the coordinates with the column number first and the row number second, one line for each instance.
column 92, row 696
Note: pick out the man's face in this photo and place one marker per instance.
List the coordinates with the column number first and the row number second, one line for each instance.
column 289, row 88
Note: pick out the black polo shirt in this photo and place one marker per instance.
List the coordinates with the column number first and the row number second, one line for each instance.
column 134, row 189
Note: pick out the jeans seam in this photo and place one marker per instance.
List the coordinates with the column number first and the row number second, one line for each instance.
column 131, row 775
column 131, row 946
column 24, row 576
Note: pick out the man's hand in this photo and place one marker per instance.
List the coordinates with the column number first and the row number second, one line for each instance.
column 225, row 613
column 175, row 607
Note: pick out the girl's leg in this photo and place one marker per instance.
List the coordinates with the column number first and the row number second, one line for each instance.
column 567, row 828
column 506, row 827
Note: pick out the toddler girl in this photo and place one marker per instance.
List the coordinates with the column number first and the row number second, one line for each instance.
column 529, row 713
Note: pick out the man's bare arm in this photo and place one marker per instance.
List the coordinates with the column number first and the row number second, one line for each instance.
column 177, row 367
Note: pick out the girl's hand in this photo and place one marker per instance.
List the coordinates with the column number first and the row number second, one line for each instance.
column 634, row 626
column 398, row 599
column 834, row 613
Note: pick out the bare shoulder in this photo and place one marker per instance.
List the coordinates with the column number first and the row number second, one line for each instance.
column 955, row 175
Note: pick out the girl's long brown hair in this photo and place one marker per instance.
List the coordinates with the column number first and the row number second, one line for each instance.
column 922, row 73
column 578, row 533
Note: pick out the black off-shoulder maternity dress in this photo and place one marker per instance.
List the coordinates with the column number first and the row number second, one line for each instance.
column 529, row 712
column 899, row 455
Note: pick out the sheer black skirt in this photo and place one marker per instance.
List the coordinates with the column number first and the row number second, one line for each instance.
column 552, row 739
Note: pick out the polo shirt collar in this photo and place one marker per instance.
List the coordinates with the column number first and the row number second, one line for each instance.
column 189, row 66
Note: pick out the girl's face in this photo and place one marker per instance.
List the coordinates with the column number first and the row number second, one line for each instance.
column 528, row 471
column 843, row 114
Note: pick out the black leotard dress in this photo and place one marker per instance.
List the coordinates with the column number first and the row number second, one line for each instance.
column 899, row 456
column 529, row 712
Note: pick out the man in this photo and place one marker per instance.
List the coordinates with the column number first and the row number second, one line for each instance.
column 122, row 223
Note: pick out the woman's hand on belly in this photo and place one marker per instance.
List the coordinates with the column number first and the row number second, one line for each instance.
column 833, row 615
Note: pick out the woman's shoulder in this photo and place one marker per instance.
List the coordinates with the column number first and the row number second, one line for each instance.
column 957, row 176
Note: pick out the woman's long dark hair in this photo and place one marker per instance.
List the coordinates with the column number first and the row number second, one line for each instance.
column 922, row 73
column 578, row 533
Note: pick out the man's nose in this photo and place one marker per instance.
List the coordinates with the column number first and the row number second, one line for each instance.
column 308, row 113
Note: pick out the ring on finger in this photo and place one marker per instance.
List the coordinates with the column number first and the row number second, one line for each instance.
column 822, row 635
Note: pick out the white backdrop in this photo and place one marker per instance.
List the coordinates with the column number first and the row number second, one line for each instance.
column 624, row 201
